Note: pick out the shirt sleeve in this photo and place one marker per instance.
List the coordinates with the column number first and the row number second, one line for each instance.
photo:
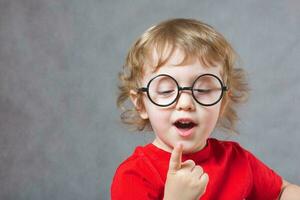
column 266, row 184
column 134, row 181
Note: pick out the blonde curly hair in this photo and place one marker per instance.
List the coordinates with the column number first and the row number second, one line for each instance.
column 196, row 40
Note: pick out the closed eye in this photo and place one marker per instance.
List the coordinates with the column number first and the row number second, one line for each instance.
column 203, row 90
column 165, row 92
column 206, row 90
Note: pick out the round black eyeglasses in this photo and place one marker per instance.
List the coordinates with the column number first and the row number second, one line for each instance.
column 163, row 90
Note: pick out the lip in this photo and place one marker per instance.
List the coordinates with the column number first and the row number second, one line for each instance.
column 185, row 119
column 184, row 132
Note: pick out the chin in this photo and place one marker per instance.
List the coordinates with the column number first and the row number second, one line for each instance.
column 190, row 148
column 187, row 149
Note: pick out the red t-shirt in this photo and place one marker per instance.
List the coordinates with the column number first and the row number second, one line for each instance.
column 234, row 173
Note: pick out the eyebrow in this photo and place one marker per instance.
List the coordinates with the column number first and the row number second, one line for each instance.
column 193, row 77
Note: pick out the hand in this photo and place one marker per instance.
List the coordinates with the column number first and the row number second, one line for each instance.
column 185, row 181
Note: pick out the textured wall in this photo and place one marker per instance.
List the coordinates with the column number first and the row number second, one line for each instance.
column 60, row 135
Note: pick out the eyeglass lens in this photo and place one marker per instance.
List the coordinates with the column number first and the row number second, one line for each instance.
column 164, row 90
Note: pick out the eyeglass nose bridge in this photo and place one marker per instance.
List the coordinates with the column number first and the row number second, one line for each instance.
column 184, row 89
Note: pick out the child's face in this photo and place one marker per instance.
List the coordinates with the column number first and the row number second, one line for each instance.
column 185, row 109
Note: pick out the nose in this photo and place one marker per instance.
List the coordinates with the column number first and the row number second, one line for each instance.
column 185, row 101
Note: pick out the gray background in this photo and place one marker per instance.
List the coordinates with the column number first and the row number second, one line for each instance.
column 60, row 133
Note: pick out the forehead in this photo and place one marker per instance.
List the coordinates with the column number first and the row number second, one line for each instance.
column 180, row 66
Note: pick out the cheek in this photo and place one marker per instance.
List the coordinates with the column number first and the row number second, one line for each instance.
column 210, row 116
column 159, row 118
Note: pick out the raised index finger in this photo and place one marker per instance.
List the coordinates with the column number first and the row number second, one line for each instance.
column 175, row 159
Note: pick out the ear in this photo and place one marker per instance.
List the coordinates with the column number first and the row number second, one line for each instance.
column 141, row 110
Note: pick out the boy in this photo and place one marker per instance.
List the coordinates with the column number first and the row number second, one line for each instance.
column 182, row 80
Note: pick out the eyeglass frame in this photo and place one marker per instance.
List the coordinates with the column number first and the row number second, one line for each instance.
column 223, row 88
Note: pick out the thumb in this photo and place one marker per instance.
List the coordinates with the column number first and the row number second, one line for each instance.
column 175, row 159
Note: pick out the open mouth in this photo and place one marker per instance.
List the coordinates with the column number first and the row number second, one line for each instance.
column 185, row 126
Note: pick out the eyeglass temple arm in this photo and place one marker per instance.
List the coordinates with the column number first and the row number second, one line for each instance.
column 142, row 89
